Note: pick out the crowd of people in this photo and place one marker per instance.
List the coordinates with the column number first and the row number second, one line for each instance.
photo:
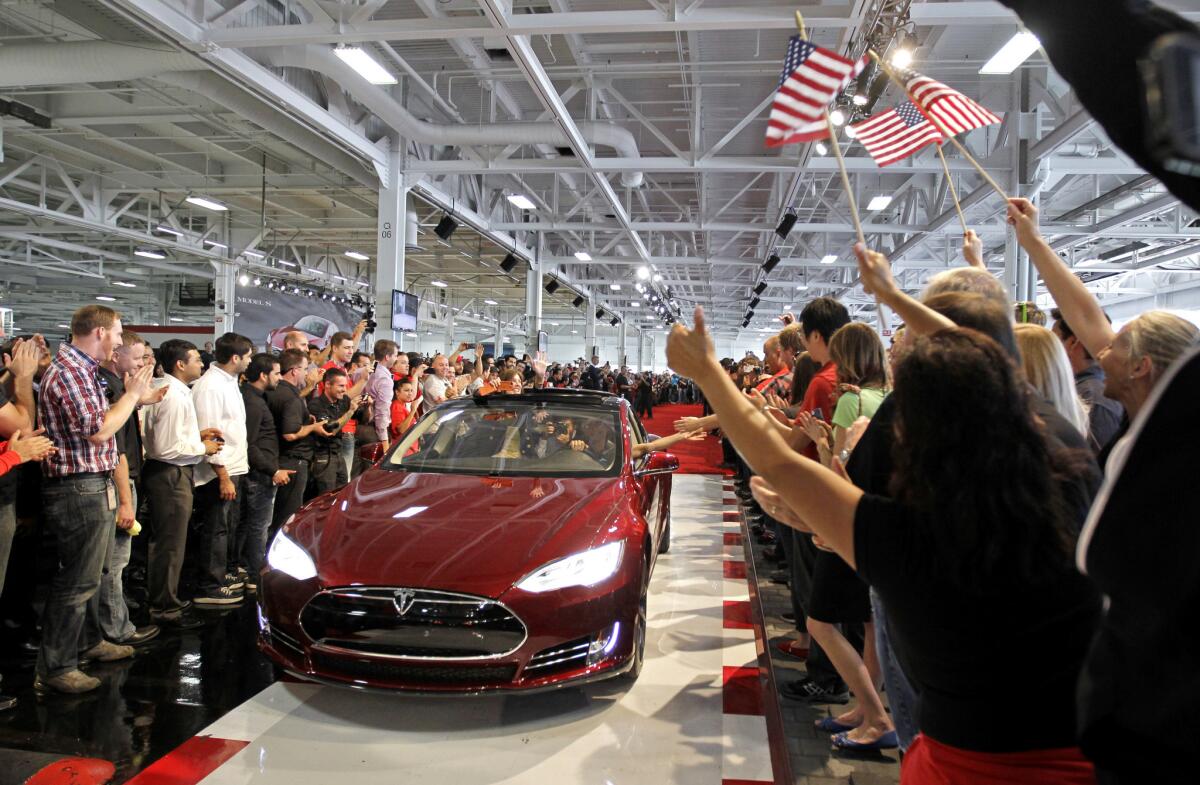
column 947, row 540
column 212, row 449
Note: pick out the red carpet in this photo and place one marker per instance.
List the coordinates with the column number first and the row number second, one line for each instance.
column 702, row 457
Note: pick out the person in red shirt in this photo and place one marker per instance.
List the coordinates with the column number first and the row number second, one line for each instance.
column 403, row 409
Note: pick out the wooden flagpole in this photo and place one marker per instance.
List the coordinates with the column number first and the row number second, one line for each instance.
column 837, row 154
column 953, row 192
column 896, row 80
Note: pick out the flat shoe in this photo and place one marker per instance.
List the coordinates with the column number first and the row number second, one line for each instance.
column 887, row 741
column 831, row 725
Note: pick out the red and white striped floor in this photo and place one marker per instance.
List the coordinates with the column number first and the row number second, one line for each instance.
column 696, row 714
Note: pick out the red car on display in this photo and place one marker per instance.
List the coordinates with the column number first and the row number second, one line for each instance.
column 318, row 329
column 505, row 543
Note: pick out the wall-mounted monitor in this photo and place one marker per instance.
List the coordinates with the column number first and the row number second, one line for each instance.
column 404, row 310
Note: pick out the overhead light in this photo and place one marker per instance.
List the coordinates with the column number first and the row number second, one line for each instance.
column 314, row 271
column 828, row 259
column 164, row 229
column 215, row 244
column 761, row 287
column 365, row 65
column 754, row 303
column 521, row 202
column 788, row 307
column 599, row 313
column 124, row 284
column 578, row 301
column 821, row 149
column 851, row 133
column 771, row 263
column 286, row 263
column 257, row 281
column 574, row 332
column 445, row 227
column 65, row 326
column 508, row 263
column 439, row 284
column 207, row 204
column 106, row 298
column 1012, row 54
column 176, row 319
column 615, row 321
column 553, row 324
column 551, row 286
column 643, row 272
column 583, row 256
column 490, row 302
column 859, row 99
column 149, row 253
column 1090, row 263
column 253, row 254
column 902, row 57
column 244, row 279
column 785, row 225
column 616, row 287
column 802, row 287
column 657, row 278
column 837, row 117
column 879, row 202
column 634, row 304
column 362, row 257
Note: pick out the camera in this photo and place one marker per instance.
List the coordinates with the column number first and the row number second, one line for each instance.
column 1171, row 71
column 371, row 323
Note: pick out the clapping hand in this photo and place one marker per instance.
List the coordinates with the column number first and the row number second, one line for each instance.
column 23, row 362
column 757, row 398
column 818, row 430
column 855, row 432
column 774, row 505
column 33, row 447
column 138, row 383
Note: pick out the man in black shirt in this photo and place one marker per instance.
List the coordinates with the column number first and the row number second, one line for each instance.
column 114, row 611
column 591, row 378
column 294, row 426
column 332, row 408
column 254, row 505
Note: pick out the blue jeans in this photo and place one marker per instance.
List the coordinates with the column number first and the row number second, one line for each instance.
column 348, row 454
column 81, row 513
column 902, row 697
column 213, row 514
column 114, row 613
column 252, row 513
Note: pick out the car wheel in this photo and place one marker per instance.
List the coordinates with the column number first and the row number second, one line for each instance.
column 639, row 633
column 664, row 544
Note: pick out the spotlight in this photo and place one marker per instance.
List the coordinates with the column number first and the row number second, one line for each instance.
column 508, row 264
column 837, row 117
column 762, row 287
column 746, row 323
column 643, row 272
column 551, row 286
column 578, row 301
column 615, row 321
column 785, row 225
column 258, row 281
column 902, row 57
column 445, row 227
column 599, row 313
column 859, row 99
column 771, row 263
column 754, row 303
column 244, row 279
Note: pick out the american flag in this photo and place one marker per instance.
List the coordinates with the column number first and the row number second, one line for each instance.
column 811, row 77
column 956, row 113
column 897, row 133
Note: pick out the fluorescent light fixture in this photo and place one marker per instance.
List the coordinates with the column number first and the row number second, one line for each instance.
column 635, row 304
column 439, row 284
column 574, row 332
column 521, row 202
column 583, row 256
column 149, row 253
column 879, row 202
column 837, row 117
column 253, row 254
column 1090, row 263
column 106, row 298
column 286, row 263
column 616, row 287
column 366, row 66
column 822, row 149
column 176, row 319
column 657, row 278
column 828, row 259
column 65, row 326
column 362, row 257
column 643, row 272
column 802, row 287
column 902, row 57
column 490, row 302
column 788, row 307
column 124, row 284
column 553, row 324
column 207, row 204
column 164, row 229
column 859, row 99
column 1012, row 54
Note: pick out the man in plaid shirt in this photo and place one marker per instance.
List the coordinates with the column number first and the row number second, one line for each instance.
column 78, row 496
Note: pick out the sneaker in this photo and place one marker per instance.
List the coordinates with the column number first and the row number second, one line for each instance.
column 251, row 586
column 7, row 702
column 106, row 652
column 179, row 620
column 221, row 596
column 234, row 581
column 71, row 682
column 811, row 692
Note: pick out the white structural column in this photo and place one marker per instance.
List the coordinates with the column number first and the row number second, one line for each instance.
column 623, row 335
column 589, row 327
column 225, row 291
column 641, row 352
column 499, row 337
column 533, row 306
column 389, row 266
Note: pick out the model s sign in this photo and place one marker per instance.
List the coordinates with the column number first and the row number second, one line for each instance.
column 265, row 320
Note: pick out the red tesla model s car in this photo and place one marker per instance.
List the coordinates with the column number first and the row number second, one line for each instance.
column 505, row 543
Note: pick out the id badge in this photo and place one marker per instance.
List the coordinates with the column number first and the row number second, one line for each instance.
column 112, row 496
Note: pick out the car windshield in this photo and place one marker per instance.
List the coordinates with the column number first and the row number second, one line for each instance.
column 313, row 325
column 513, row 438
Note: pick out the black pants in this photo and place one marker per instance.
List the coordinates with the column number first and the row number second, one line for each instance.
column 290, row 497
column 818, row 665
column 213, row 518
column 169, row 491
column 327, row 470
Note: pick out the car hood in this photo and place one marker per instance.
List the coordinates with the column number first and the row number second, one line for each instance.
column 477, row 535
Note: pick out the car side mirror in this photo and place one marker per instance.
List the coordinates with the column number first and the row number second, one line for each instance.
column 657, row 463
column 372, row 453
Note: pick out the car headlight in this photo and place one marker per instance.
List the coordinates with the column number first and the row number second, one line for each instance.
column 286, row 556
column 586, row 568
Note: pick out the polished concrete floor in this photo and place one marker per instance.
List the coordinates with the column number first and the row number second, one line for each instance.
column 211, row 692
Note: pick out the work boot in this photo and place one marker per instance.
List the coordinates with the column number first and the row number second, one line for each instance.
column 71, row 682
column 106, row 652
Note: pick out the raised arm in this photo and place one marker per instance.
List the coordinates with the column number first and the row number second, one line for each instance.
column 1079, row 307
column 876, row 275
column 819, row 496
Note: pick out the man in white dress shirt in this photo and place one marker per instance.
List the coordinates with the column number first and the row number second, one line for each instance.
column 219, row 406
column 174, row 444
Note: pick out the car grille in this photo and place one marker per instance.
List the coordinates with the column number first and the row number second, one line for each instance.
column 433, row 624
column 379, row 670
column 557, row 659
